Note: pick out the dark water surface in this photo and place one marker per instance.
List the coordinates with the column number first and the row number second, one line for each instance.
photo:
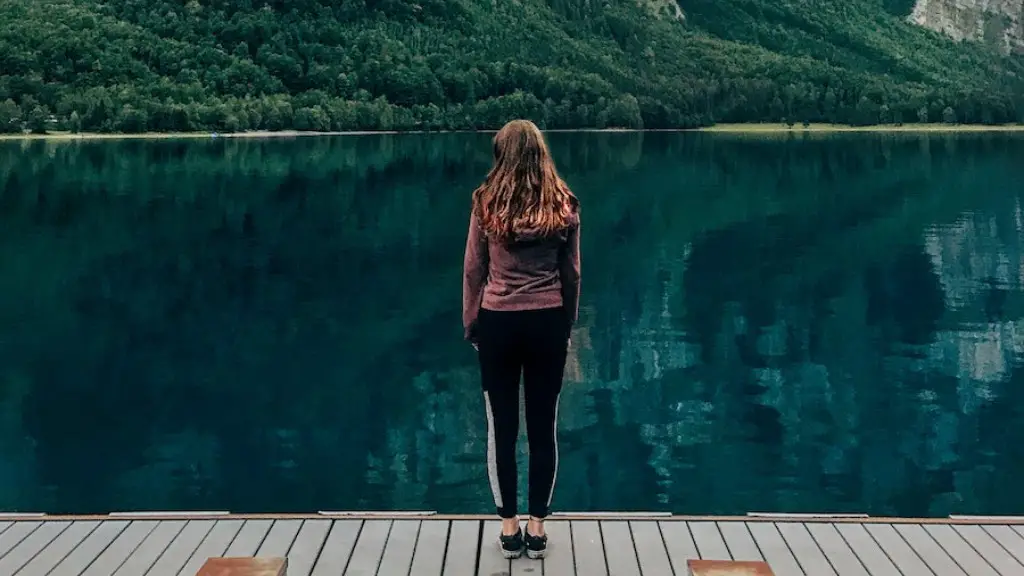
column 828, row 325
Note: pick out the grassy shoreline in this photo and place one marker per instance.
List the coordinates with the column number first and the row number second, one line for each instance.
column 718, row 128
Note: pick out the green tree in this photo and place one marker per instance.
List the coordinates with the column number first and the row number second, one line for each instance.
column 38, row 120
column 10, row 117
column 949, row 115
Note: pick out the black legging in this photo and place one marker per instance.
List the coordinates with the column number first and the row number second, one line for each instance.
column 532, row 343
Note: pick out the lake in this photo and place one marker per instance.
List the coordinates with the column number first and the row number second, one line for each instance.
column 773, row 323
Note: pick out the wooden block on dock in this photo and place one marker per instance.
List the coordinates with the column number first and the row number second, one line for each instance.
column 244, row 567
column 728, row 568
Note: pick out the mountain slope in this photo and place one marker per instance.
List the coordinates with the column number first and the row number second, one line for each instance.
column 133, row 65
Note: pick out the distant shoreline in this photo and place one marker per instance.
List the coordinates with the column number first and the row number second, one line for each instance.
column 763, row 128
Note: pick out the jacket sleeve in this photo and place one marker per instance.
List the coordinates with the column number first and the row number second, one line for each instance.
column 474, row 276
column 569, row 271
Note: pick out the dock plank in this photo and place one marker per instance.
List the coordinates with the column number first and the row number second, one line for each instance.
column 901, row 554
column 13, row 535
column 526, row 566
column 369, row 548
column 774, row 549
column 962, row 553
column 60, row 547
column 867, row 550
column 739, row 541
column 279, row 539
column 307, row 546
column 588, row 548
column 86, row 552
column 806, row 551
column 679, row 544
column 709, row 541
column 560, row 560
column 32, row 545
column 400, row 548
column 121, row 548
column 839, row 554
column 337, row 549
column 990, row 550
column 181, row 548
column 213, row 545
column 249, row 538
column 650, row 548
column 463, row 540
column 147, row 553
column 1008, row 539
column 622, row 561
column 929, row 550
column 428, row 559
column 491, row 562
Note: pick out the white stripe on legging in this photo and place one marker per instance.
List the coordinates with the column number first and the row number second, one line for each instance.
column 554, row 434
column 492, row 456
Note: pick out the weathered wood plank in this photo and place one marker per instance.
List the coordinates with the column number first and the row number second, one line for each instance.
column 463, row 539
column 559, row 560
column 588, row 548
column 620, row 553
column 85, row 553
column 867, row 550
column 491, row 562
column 839, row 554
column 709, row 541
column 901, row 554
column 244, row 566
column 933, row 555
column 249, row 538
column 213, row 545
column 679, row 544
column 181, row 548
column 121, row 548
column 306, row 547
column 804, row 549
column 774, row 549
column 400, row 548
column 60, row 547
column 650, row 548
column 990, row 550
column 279, row 539
column 526, row 566
column 369, row 548
column 337, row 550
column 966, row 557
column 1008, row 539
column 15, row 534
column 32, row 545
column 143, row 558
column 428, row 559
column 5, row 525
column 739, row 541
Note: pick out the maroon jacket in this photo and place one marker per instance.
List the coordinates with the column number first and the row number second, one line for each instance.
column 531, row 273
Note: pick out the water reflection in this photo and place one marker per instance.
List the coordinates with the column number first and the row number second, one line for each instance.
column 800, row 324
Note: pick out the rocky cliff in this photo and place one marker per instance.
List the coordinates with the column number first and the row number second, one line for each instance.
column 997, row 22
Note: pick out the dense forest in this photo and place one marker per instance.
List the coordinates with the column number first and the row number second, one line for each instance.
column 233, row 65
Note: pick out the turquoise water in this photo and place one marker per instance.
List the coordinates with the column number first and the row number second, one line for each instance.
column 767, row 324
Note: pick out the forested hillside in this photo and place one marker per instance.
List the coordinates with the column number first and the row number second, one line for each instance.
column 229, row 65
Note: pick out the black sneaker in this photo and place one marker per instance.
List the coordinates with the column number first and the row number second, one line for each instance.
column 511, row 546
column 536, row 546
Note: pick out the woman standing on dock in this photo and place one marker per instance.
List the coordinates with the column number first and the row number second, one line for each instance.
column 520, row 297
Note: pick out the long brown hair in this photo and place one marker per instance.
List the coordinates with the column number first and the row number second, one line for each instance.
column 523, row 194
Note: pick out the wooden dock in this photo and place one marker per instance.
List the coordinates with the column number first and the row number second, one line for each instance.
column 433, row 545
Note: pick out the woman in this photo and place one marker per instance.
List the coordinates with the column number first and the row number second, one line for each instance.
column 520, row 299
